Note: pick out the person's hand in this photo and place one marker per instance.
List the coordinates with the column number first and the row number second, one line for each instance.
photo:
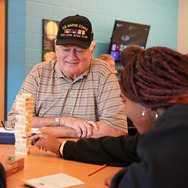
column 108, row 180
column 46, row 142
column 4, row 162
column 83, row 127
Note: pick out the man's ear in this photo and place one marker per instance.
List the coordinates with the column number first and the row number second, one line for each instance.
column 92, row 46
column 55, row 46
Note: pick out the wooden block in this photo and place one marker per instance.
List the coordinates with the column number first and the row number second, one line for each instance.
column 16, row 163
column 22, row 151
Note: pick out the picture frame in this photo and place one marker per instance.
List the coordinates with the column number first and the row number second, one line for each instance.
column 49, row 32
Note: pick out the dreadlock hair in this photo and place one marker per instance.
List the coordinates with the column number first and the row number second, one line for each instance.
column 128, row 53
column 157, row 77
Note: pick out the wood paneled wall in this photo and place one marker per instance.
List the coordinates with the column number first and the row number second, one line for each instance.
column 2, row 57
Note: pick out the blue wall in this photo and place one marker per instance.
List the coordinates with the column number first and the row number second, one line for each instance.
column 25, row 28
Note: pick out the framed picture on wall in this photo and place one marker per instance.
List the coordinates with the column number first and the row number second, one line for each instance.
column 50, row 29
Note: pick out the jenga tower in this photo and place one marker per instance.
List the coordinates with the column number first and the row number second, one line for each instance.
column 24, row 108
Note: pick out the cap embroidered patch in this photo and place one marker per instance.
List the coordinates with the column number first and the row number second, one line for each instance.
column 75, row 30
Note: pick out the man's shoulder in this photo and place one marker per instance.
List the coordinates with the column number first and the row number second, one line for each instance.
column 99, row 62
column 100, row 65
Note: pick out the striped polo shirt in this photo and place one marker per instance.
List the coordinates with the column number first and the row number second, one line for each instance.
column 94, row 95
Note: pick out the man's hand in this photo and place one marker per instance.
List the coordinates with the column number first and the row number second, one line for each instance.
column 83, row 127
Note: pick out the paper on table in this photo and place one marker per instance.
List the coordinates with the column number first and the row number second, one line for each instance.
column 2, row 130
column 33, row 130
column 54, row 181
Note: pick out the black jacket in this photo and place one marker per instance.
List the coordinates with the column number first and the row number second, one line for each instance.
column 113, row 151
column 163, row 154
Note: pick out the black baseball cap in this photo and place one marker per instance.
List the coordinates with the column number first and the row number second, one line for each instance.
column 75, row 30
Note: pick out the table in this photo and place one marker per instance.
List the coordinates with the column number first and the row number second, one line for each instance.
column 39, row 163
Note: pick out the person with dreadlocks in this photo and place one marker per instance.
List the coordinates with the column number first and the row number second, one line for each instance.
column 128, row 53
column 155, row 90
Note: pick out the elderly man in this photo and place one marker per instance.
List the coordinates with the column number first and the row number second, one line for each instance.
column 75, row 95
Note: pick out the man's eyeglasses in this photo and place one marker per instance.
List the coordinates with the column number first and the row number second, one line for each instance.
column 4, row 124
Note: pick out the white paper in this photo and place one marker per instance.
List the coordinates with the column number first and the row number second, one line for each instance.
column 54, row 181
column 33, row 130
column 2, row 130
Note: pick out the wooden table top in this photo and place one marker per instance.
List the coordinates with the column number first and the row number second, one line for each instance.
column 39, row 163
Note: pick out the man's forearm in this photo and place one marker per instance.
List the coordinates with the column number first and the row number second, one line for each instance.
column 49, row 125
column 60, row 132
column 39, row 122
column 106, row 130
